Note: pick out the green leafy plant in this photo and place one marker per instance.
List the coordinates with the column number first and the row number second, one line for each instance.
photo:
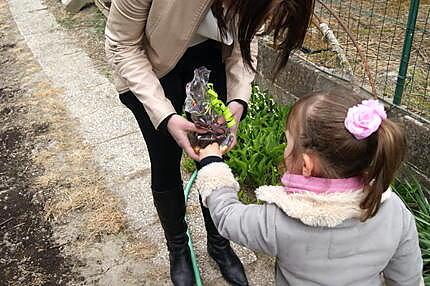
column 188, row 164
column 261, row 143
column 415, row 197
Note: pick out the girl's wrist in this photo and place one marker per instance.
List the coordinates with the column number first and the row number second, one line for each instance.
column 209, row 160
column 204, row 155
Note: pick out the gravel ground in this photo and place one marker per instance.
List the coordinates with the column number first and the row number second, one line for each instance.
column 28, row 252
column 83, row 158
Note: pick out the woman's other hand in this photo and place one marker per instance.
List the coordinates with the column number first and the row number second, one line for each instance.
column 210, row 150
column 237, row 109
column 179, row 128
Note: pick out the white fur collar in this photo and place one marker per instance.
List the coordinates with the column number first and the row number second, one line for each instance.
column 327, row 210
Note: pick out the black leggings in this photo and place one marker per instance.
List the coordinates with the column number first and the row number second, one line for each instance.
column 164, row 153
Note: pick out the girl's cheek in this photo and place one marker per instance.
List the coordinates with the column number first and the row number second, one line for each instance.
column 289, row 164
column 289, row 149
column 287, row 159
column 292, row 165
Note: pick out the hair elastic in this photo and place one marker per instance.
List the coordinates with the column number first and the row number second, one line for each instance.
column 365, row 118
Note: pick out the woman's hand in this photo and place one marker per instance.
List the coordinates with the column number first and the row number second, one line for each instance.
column 237, row 109
column 179, row 128
column 210, row 150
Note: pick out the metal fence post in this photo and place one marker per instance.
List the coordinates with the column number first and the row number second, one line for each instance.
column 407, row 45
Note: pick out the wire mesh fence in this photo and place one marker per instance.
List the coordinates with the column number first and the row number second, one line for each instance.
column 364, row 40
column 382, row 46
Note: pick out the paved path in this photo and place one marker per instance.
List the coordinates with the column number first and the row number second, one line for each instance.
column 109, row 128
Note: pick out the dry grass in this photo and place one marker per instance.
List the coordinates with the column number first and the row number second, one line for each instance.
column 106, row 218
column 140, row 249
column 100, row 210
column 75, row 184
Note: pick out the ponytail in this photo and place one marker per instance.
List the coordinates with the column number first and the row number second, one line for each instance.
column 390, row 152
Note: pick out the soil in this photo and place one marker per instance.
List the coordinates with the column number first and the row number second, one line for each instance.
column 59, row 224
column 29, row 254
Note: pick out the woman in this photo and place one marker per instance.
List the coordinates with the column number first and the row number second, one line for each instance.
column 154, row 47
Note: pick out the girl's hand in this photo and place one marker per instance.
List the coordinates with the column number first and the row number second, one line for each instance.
column 210, row 150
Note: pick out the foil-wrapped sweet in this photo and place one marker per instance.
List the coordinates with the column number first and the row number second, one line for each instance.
column 207, row 112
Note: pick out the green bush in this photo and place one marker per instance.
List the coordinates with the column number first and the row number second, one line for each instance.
column 188, row 164
column 416, row 198
column 260, row 143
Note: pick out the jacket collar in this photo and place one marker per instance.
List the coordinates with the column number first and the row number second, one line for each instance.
column 298, row 183
column 317, row 209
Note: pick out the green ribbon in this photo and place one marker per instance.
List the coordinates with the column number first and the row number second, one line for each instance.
column 219, row 107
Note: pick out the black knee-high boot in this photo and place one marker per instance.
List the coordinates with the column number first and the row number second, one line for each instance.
column 170, row 207
column 220, row 250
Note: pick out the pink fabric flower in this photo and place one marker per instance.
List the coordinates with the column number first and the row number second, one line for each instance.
column 364, row 119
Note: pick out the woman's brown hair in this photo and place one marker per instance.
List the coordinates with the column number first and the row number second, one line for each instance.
column 316, row 122
column 286, row 20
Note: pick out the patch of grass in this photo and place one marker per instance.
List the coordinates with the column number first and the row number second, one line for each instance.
column 248, row 197
column 261, row 143
column 106, row 218
column 67, row 22
column 415, row 197
column 102, row 212
column 140, row 249
column 188, row 164
column 75, row 186
column 98, row 23
column 90, row 18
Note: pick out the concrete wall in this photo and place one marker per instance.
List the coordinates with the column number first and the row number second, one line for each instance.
column 301, row 77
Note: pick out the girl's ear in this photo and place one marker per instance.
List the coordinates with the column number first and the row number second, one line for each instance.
column 308, row 165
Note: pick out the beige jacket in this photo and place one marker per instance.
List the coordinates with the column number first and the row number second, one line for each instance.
column 146, row 38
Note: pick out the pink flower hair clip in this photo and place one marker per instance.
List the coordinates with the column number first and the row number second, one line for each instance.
column 365, row 118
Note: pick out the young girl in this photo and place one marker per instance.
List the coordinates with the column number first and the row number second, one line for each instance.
column 335, row 220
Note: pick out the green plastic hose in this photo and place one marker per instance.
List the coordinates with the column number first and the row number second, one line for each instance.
column 190, row 242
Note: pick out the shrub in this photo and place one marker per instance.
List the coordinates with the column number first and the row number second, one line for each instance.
column 416, row 198
column 260, row 143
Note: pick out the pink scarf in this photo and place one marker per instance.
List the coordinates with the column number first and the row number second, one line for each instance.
column 298, row 184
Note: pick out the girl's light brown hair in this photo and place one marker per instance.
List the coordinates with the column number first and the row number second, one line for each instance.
column 286, row 20
column 316, row 122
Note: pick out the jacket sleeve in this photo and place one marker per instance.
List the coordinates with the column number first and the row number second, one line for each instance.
column 125, row 31
column 405, row 267
column 253, row 226
column 239, row 75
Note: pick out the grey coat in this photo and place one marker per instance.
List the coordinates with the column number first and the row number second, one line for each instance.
column 317, row 239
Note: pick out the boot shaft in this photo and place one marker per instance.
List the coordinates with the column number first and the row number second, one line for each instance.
column 170, row 207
